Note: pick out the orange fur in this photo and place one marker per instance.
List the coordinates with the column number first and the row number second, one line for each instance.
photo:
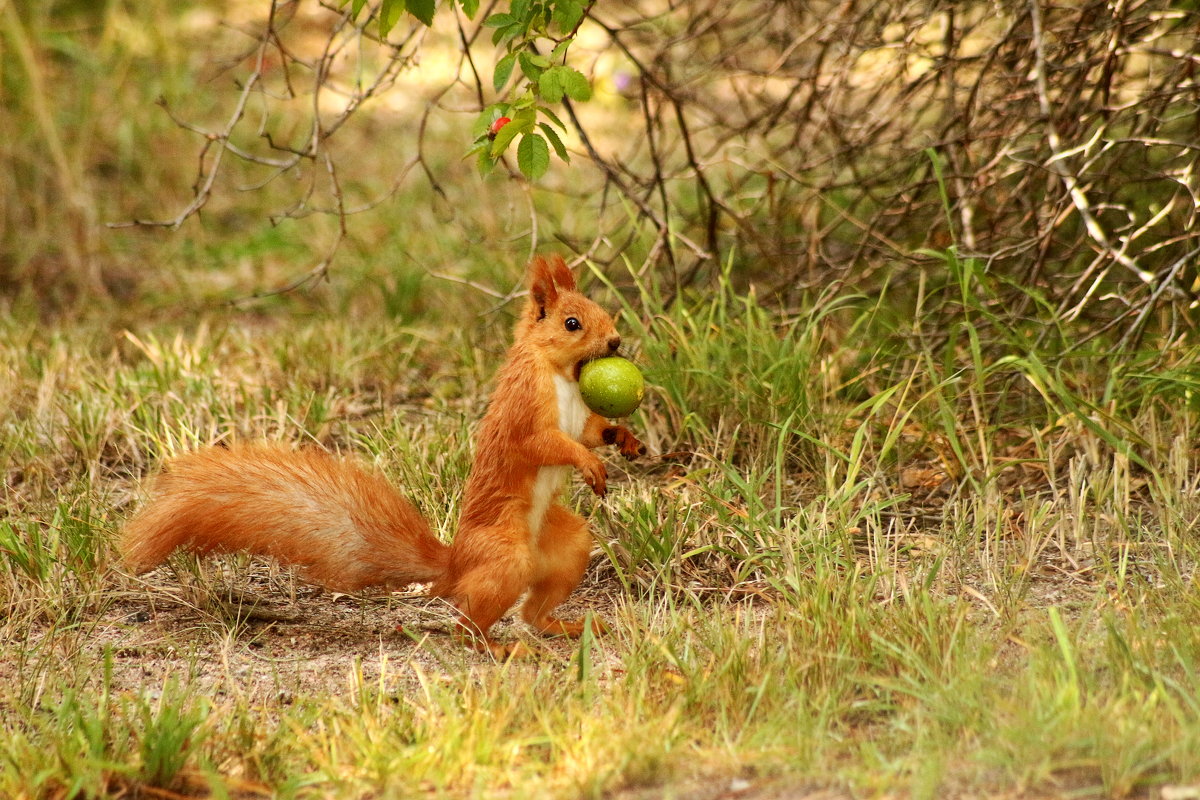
column 348, row 529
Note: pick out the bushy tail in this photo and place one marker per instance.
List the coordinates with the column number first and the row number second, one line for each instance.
column 347, row 528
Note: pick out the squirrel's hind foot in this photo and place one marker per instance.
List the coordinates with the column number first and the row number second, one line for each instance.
column 501, row 651
column 553, row 626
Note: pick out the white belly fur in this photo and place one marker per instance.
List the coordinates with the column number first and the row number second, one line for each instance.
column 572, row 415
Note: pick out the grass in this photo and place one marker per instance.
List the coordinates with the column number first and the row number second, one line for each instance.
column 905, row 544
column 790, row 607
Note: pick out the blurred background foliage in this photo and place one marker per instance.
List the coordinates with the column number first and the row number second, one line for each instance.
column 1020, row 160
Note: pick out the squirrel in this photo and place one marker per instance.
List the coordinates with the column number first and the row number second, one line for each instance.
column 348, row 529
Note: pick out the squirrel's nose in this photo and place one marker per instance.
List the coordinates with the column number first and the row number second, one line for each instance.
column 613, row 343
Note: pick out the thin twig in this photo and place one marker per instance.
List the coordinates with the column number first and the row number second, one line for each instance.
column 1058, row 166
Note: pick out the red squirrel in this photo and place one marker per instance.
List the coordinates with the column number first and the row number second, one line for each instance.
column 348, row 529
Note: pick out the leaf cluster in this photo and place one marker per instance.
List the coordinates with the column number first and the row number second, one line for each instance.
column 542, row 79
column 391, row 11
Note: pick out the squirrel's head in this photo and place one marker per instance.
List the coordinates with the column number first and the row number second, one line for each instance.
column 564, row 326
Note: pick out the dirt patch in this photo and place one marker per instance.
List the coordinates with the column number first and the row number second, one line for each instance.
column 260, row 633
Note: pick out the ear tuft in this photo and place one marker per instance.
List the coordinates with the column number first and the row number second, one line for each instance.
column 563, row 278
column 547, row 277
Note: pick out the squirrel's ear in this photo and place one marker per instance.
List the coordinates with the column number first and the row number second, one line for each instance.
column 541, row 287
column 548, row 277
column 563, row 278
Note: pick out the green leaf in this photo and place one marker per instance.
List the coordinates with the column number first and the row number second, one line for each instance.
column 469, row 7
column 529, row 65
column 423, row 10
column 500, row 20
column 533, row 156
column 504, row 68
column 559, row 148
column 525, row 102
column 575, row 85
column 389, row 14
column 485, row 162
column 483, row 122
column 550, row 115
column 356, row 7
column 567, row 14
column 550, row 85
column 560, row 80
column 521, row 123
column 560, row 50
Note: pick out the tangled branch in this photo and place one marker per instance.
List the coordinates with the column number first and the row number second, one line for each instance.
column 795, row 137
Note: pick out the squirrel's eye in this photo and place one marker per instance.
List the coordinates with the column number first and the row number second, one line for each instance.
column 573, row 324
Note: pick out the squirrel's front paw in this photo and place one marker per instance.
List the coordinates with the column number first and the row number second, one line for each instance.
column 626, row 442
column 595, row 475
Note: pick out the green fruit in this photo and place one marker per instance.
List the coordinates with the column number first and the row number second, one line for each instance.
column 612, row 387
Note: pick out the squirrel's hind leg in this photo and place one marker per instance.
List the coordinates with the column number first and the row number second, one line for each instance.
column 485, row 592
column 560, row 560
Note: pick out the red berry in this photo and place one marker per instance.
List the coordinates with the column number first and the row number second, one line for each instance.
column 498, row 124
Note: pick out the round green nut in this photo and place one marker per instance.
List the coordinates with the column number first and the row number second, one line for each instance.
column 612, row 387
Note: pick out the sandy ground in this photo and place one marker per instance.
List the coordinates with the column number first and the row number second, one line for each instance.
column 260, row 632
